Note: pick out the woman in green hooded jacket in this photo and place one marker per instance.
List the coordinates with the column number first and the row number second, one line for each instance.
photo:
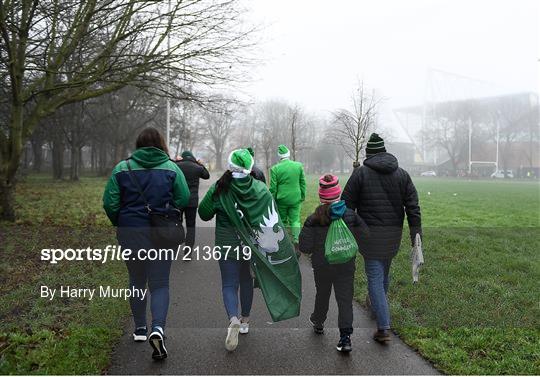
column 148, row 169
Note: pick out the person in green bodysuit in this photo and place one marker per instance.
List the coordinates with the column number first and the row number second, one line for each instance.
column 288, row 187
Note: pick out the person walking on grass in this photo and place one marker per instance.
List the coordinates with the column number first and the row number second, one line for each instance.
column 382, row 193
column 248, row 225
column 288, row 187
column 314, row 241
column 150, row 171
column 194, row 171
column 255, row 171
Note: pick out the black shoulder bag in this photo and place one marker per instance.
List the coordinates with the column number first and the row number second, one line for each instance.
column 166, row 230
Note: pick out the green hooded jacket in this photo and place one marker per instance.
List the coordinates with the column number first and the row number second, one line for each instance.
column 160, row 178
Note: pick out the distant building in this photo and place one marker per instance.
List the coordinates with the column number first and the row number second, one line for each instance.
column 472, row 126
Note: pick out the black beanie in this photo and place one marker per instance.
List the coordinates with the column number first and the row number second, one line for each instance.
column 375, row 145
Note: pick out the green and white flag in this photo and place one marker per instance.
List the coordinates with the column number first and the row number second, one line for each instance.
column 251, row 208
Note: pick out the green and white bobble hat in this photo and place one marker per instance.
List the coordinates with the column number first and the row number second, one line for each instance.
column 283, row 151
column 240, row 161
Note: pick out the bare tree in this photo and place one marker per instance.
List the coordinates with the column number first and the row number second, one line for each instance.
column 532, row 124
column 294, row 129
column 218, row 126
column 53, row 53
column 299, row 129
column 351, row 127
column 449, row 130
column 514, row 116
column 274, row 121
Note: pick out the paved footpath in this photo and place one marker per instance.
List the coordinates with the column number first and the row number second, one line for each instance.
column 196, row 332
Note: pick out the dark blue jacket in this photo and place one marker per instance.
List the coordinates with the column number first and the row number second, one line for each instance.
column 161, row 180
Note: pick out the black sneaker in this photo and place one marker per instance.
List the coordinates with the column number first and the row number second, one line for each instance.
column 318, row 328
column 158, row 344
column 344, row 344
column 140, row 334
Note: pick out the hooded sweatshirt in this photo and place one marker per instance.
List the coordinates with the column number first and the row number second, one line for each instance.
column 161, row 180
column 382, row 193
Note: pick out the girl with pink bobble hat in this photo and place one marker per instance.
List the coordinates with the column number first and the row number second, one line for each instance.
column 340, row 276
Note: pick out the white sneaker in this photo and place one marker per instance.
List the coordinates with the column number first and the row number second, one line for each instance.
column 158, row 344
column 244, row 327
column 231, row 342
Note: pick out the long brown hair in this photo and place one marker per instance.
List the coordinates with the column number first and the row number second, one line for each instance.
column 223, row 183
column 150, row 137
column 322, row 215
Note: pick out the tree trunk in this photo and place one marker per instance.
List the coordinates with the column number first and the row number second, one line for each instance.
column 119, row 152
column 454, row 166
column 74, row 169
column 10, row 163
column 81, row 160
column 37, row 152
column 58, row 159
column 7, row 200
column 26, row 160
column 93, row 158
column 219, row 160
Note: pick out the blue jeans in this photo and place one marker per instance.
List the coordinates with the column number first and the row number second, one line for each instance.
column 235, row 275
column 378, row 277
column 143, row 272
column 156, row 273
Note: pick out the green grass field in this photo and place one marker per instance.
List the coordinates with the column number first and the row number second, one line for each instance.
column 72, row 336
column 476, row 309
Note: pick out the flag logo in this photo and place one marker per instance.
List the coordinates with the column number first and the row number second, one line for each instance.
column 269, row 235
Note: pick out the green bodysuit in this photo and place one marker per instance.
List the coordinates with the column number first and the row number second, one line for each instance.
column 288, row 187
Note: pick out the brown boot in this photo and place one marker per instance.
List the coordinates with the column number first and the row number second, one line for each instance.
column 382, row 336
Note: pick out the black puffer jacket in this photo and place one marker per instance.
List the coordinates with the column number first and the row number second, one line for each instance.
column 313, row 236
column 381, row 193
column 193, row 171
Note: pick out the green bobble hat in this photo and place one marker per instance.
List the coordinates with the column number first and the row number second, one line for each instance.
column 283, row 151
column 240, row 161
column 251, row 151
column 375, row 145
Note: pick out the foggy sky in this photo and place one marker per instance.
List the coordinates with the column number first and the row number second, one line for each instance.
column 315, row 51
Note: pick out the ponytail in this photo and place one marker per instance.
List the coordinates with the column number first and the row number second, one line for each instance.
column 322, row 215
column 223, row 183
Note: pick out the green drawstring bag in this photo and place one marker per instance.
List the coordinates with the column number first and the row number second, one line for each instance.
column 340, row 245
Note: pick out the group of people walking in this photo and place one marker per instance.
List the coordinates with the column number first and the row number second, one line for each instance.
column 372, row 205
